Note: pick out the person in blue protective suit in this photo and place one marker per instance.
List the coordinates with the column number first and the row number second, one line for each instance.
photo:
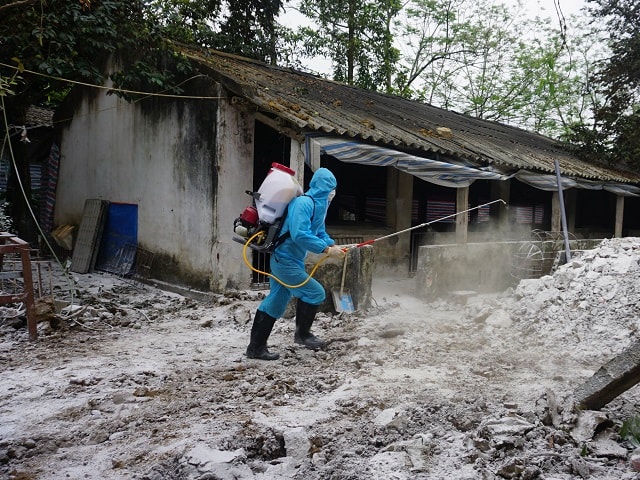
column 304, row 231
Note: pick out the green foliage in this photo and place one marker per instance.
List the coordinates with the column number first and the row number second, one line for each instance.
column 630, row 430
column 73, row 39
column 249, row 29
column 7, row 84
column 187, row 21
column 430, row 31
column 356, row 36
column 618, row 79
column 66, row 39
column 243, row 27
column 584, row 451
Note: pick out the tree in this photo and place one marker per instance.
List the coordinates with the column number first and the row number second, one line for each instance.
column 492, row 62
column 488, row 37
column 553, row 72
column 242, row 27
column 618, row 80
column 356, row 35
column 430, row 34
column 250, row 29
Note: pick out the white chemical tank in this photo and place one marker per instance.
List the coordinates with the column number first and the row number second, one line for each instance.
column 277, row 190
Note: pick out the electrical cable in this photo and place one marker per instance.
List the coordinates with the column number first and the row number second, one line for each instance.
column 114, row 89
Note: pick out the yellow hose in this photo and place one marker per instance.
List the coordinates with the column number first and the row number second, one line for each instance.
column 246, row 260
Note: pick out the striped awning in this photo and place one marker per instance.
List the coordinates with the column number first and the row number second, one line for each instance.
column 550, row 183
column 546, row 182
column 622, row 189
column 447, row 174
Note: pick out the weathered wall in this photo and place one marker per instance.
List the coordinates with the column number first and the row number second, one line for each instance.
column 479, row 267
column 166, row 156
column 235, row 168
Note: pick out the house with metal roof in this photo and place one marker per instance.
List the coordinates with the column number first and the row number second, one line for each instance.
column 186, row 163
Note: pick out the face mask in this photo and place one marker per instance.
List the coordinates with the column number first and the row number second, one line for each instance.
column 332, row 194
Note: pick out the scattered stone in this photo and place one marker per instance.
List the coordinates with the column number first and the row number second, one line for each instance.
column 589, row 422
column 386, row 417
column 44, row 308
column 461, row 296
column 605, row 446
column 579, row 466
column 97, row 438
column 394, row 410
column 391, row 333
column 201, row 455
column 634, row 460
column 506, row 432
column 499, row 318
column 296, row 443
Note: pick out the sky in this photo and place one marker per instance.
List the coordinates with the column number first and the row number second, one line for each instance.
column 567, row 7
column 541, row 8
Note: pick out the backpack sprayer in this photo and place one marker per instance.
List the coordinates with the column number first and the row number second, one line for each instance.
column 259, row 224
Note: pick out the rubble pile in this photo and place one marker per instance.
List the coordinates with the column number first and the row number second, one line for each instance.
column 591, row 302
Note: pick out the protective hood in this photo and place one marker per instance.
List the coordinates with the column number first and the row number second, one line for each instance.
column 322, row 182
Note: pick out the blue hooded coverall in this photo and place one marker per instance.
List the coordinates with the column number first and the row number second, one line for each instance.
column 305, row 224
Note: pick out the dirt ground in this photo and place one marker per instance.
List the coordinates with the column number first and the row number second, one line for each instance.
column 133, row 382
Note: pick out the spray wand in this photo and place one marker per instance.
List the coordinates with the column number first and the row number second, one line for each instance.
column 369, row 242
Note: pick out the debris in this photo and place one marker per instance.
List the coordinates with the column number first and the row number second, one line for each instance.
column 153, row 384
column 612, row 379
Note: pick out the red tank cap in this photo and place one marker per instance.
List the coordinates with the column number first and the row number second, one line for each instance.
column 283, row 168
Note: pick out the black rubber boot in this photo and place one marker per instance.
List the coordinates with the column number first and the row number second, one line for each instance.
column 260, row 331
column 305, row 315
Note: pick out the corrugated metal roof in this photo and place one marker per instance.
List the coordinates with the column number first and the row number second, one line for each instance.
column 316, row 104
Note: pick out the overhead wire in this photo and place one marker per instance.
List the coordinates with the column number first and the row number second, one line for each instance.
column 145, row 95
column 117, row 89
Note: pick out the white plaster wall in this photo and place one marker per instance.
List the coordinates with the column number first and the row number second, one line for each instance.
column 113, row 151
column 235, row 167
